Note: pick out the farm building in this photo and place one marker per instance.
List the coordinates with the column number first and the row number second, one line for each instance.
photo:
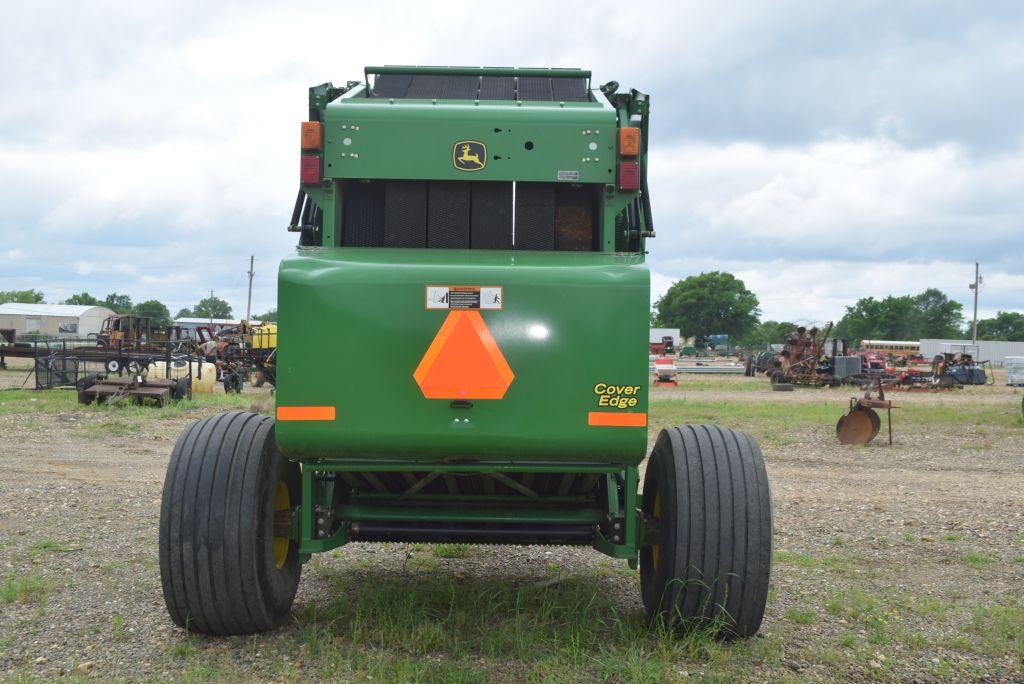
column 985, row 350
column 658, row 333
column 52, row 320
column 190, row 324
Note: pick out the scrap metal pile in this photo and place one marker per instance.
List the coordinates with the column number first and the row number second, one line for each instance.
column 240, row 353
column 802, row 360
column 948, row 371
column 130, row 352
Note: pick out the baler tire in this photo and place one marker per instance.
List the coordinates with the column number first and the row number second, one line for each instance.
column 710, row 562
column 218, row 566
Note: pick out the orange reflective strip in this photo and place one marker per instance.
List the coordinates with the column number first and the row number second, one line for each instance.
column 305, row 413
column 609, row 419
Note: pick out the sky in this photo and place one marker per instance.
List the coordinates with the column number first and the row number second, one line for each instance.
column 822, row 151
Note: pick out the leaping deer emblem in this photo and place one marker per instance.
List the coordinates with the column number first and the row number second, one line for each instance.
column 471, row 156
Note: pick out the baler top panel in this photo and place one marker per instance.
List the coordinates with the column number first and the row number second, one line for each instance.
column 472, row 124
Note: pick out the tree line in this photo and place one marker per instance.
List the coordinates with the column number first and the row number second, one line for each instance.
column 720, row 303
column 209, row 307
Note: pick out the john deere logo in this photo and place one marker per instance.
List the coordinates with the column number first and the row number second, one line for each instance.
column 469, row 155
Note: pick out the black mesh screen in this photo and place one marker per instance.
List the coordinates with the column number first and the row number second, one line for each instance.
column 527, row 88
column 569, row 90
column 470, row 215
column 405, row 213
column 535, row 216
column 574, row 218
column 363, row 216
column 491, row 216
column 448, row 212
column 498, row 88
column 392, row 85
column 461, row 88
column 534, row 89
column 426, row 87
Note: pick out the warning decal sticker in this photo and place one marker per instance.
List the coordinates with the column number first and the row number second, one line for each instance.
column 464, row 297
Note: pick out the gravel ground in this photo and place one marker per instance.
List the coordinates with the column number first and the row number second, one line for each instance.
column 930, row 530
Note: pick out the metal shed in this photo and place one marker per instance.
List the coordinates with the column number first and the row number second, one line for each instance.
column 52, row 320
column 988, row 350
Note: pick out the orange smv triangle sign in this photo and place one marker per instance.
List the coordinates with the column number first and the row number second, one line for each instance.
column 463, row 361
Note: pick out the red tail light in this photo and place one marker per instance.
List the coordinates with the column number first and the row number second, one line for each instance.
column 311, row 170
column 629, row 176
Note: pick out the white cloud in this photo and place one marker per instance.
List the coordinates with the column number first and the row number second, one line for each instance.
column 821, row 150
column 818, row 291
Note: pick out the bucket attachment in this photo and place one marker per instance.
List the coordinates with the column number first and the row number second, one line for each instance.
column 859, row 425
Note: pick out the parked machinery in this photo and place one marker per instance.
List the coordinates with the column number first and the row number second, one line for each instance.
column 861, row 422
column 241, row 353
column 948, row 371
column 665, row 372
column 464, row 400
column 666, row 346
column 803, row 360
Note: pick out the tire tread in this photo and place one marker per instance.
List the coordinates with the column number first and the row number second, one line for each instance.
column 213, row 559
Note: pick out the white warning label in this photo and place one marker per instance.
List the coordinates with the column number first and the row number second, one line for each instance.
column 464, row 297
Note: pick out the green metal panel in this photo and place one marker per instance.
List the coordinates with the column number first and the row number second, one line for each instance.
column 414, row 139
column 354, row 327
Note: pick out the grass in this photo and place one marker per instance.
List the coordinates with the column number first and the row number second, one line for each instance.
column 769, row 420
column 30, row 588
column 436, row 626
column 976, row 560
column 802, row 616
column 38, row 408
column 45, row 546
column 452, row 550
column 831, row 562
column 43, row 402
column 999, row 629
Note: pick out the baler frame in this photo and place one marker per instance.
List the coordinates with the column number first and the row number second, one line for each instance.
column 338, row 516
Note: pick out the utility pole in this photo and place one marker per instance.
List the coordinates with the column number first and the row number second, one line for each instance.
column 248, row 303
column 211, row 309
column 976, row 285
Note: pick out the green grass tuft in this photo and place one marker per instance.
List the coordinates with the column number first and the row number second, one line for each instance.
column 999, row 630
column 802, row 616
column 31, row 588
column 976, row 560
column 452, row 550
column 44, row 546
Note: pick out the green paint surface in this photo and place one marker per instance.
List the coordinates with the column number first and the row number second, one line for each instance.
column 354, row 327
